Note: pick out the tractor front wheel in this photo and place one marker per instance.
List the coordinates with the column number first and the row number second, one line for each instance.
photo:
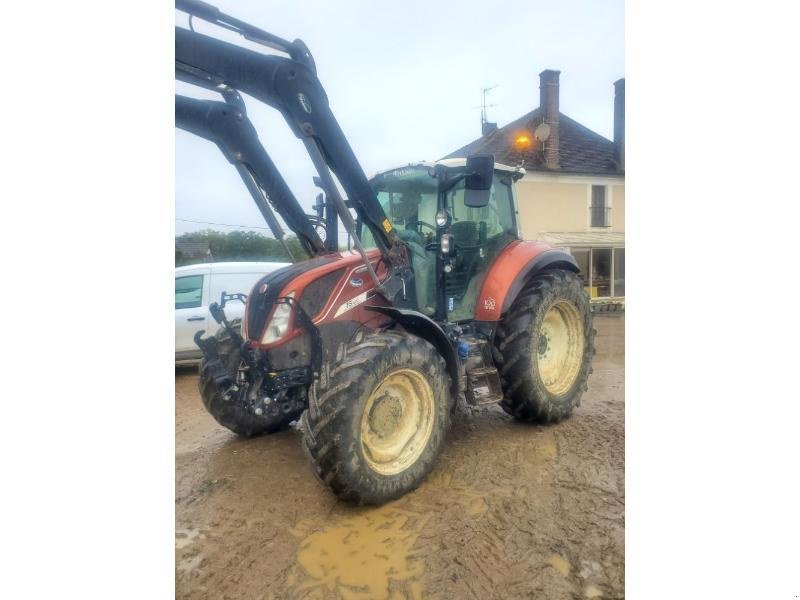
column 229, row 413
column 544, row 347
column 377, row 419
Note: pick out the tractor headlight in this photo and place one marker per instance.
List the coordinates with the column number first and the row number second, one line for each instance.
column 277, row 326
column 441, row 218
column 447, row 244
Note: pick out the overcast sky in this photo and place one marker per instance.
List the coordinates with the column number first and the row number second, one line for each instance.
column 402, row 79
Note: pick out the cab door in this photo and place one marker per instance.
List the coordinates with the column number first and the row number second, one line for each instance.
column 479, row 235
column 191, row 312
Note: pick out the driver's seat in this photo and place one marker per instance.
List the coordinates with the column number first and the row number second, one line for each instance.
column 465, row 233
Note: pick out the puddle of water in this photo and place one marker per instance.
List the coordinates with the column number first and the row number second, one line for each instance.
column 369, row 556
column 559, row 563
column 361, row 556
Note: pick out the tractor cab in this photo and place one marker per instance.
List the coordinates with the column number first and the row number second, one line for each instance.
column 451, row 244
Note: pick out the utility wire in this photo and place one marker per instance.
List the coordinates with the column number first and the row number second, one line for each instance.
column 222, row 224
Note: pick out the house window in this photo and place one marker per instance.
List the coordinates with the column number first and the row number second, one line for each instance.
column 581, row 256
column 602, row 271
column 599, row 209
column 619, row 272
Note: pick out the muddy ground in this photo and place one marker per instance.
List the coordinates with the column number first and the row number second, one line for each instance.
column 510, row 511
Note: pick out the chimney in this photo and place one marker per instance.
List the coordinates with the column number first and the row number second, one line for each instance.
column 487, row 128
column 619, row 122
column 548, row 103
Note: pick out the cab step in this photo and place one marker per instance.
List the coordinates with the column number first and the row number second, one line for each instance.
column 483, row 386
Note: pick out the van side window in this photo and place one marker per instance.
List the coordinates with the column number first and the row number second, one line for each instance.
column 188, row 291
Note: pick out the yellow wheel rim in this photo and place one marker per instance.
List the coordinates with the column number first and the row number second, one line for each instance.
column 397, row 421
column 559, row 350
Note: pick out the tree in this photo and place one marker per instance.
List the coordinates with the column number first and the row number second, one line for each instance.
column 240, row 246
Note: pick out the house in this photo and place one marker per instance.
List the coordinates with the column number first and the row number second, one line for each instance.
column 573, row 192
column 192, row 251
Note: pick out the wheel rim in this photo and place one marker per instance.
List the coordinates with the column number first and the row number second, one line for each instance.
column 397, row 421
column 560, row 347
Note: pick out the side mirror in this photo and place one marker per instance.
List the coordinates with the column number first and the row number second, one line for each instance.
column 478, row 182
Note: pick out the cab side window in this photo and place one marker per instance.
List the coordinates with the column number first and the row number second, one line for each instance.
column 189, row 291
column 495, row 218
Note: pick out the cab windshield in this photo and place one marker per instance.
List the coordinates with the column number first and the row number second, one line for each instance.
column 409, row 197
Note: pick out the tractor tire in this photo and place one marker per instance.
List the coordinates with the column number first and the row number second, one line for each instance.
column 544, row 347
column 377, row 418
column 231, row 414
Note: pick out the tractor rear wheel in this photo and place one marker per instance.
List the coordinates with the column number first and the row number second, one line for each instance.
column 544, row 347
column 230, row 413
column 376, row 420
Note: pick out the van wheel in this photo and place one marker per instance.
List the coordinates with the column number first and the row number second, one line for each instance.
column 229, row 413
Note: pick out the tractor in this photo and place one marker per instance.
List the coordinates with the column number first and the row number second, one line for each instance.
column 438, row 300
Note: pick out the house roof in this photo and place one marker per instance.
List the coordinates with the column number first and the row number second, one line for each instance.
column 192, row 249
column 581, row 150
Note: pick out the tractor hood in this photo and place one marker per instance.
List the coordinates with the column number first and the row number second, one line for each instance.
column 311, row 283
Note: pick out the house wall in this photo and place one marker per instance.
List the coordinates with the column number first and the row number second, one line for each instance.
column 557, row 203
column 618, row 211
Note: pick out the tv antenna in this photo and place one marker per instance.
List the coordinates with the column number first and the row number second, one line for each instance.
column 483, row 105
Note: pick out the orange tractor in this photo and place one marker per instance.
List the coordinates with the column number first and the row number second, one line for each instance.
column 371, row 348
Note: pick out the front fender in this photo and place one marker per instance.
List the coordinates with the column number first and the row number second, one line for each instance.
column 512, row 268
column 423, row 326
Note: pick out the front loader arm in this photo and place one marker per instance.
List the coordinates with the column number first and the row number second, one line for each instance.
column 227, row 125
column 290, row 85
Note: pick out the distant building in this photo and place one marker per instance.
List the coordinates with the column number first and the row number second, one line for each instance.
column 192, row 250
column 573, row 192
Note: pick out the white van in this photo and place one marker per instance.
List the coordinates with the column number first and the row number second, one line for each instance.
column 197, row 286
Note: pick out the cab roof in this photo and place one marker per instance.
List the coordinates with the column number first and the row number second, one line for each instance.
column 455, row 163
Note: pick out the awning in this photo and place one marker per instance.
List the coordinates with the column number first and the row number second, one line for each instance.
column 581, row 239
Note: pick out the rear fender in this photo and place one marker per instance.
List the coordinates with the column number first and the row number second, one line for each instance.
column 509, row 272
column 423, row 326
